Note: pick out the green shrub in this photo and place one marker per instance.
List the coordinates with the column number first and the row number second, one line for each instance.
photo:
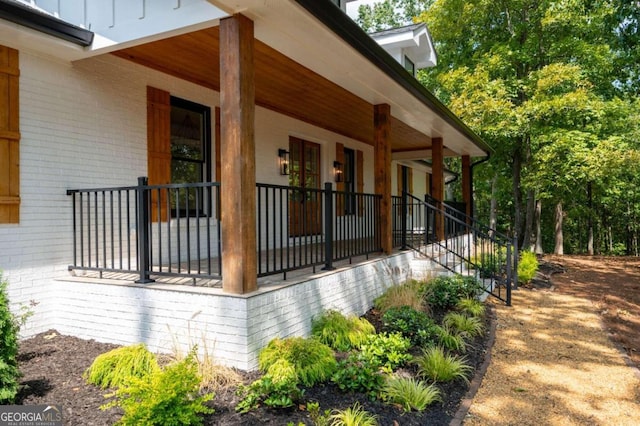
column 388, row 350
column 471, row 307
column 527, row 266
column 436, row 365
column 409, row 294
column 353, row 416
column 489, row 264
column 339, row 332
column 469, row 326
column 117, row 367
column 318, row 418
column 417, row 326
column 446, row 292
column 450, row 339
column 357, row 373
column 278, row 388
column 9, row 329
column 313, row 361
column 410, row 394
column 167, row 396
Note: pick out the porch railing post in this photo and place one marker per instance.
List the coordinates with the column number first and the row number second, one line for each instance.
column 142, row 219
column 328, row 226
column 403, row 224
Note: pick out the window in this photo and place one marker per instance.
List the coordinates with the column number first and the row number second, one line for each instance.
column 190, row 154
column 409, row 65
column 350, row 181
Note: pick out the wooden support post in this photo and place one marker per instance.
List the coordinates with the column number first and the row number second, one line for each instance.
column 382, row 172
column 437, row 177
column 237, row 150
column 467, row 190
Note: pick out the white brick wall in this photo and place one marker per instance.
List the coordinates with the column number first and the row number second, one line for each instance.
column 235, row 327
column 83, row 125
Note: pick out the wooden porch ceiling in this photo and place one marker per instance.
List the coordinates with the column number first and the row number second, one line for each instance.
column 282, row 85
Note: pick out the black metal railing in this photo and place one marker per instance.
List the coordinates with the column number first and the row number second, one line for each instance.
column 175, row 230
column 301, row 227
column 457, row 242
column 146, row 229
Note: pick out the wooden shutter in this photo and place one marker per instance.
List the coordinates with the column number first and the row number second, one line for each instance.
column 340, row 185
column 9, row 136
column 158, row 148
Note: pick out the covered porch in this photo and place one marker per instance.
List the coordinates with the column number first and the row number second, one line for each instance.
column 337, row 80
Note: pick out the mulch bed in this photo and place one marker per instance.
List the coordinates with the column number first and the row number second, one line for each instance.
column 52, row 367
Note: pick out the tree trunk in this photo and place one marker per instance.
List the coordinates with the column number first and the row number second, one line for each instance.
column 517, row 194
column 494, row 202
column 559, row 248
column 590, row 224
column 538, row 220
column 529, row 238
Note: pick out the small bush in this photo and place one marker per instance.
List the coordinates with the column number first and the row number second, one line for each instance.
column 318, row 418
column 339, row 332
column 489, row 264
column 471, row 307
column 167, row 396
column 214, row 377
column 353, row 416
column 410, row 394
column 278, row 388
column 436, row 365
column 357, row 373
column 417, row 326
column 409, row 294
column 527, row 266
column 9, row 329
column 446, row 292
column 117, row 367
column 388, row 350
column 313, row 361
column 469, row 326
column 450, row 339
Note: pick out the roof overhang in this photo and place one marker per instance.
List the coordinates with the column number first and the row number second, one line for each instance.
column 35, row 19
column 414, row 40
column 312, row 63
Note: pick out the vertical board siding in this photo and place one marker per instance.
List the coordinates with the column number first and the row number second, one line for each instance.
column 9, row 136
column 158, row 147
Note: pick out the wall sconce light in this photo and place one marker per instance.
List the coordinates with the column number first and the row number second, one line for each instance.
column 338, row 171
column 283, row 158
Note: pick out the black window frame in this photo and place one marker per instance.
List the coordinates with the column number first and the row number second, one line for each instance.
column 204, row 111
column 409, row 65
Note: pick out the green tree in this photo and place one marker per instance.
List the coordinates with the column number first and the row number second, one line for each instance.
column 527, row 75
column 552, row 86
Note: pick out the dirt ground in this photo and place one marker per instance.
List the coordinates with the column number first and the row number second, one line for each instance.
column 559, row 355
column 52, row 367
column 553, row 361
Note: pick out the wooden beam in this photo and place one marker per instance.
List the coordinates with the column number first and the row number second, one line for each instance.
column 237, row 150
column 437, row 165
column 382, row 171
column 467, row 190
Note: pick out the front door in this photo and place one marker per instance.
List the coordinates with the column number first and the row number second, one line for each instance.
column 304, row 204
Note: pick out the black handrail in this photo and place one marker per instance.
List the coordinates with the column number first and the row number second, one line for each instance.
column 466, row 245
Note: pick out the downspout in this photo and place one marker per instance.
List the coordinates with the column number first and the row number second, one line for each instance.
column 483, row 160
